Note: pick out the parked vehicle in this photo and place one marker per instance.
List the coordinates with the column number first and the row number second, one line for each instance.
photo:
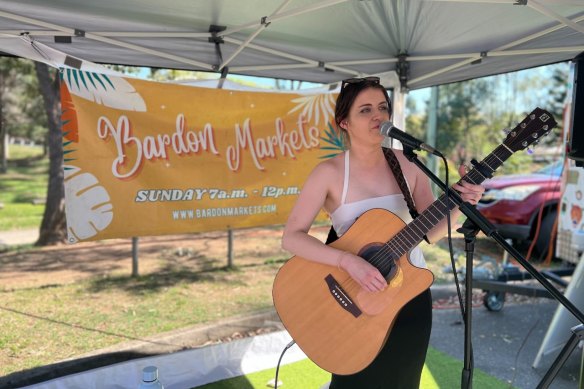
column 513, row 203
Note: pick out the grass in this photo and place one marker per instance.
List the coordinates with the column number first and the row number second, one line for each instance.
column 103, row 311
column 18, row 152
column 440, row 371
column 20, row 185
column 87, row 299
column 184, row 283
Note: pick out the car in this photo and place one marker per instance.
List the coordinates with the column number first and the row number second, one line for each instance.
column 513, row 204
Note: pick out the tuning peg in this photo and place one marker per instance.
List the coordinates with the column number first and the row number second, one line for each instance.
column 529, row 150
column 506, row 130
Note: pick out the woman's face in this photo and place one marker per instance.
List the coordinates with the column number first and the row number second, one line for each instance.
column 369, row 110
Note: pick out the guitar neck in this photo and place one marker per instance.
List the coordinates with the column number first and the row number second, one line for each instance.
column 410, row 236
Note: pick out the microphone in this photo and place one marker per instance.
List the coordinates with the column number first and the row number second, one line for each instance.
column 388, row 129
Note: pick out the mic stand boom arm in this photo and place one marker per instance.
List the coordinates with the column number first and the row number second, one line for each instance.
column 489, row 230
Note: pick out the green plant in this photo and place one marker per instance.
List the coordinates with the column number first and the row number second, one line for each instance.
column 23, row 189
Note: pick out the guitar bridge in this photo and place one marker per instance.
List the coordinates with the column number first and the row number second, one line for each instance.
column 341, row 296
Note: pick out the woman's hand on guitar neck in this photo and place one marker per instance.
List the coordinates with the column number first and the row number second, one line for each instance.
column 365, row 274
column 468, row 192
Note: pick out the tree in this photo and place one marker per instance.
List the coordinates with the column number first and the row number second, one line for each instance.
column 11, row 73
column 53, row 225
column 460, row 122
column 21, row 113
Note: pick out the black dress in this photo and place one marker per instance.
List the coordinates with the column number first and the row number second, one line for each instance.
column 401, row 360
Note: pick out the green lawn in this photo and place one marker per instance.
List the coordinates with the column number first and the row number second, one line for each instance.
column 440, row 372
column 21, row 186
column 102, row 311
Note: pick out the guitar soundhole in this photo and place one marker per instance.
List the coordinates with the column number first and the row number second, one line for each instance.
column 379, row 256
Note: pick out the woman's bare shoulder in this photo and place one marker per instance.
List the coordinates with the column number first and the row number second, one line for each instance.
column 412, row 173
column 404, row 163
column 329, row 168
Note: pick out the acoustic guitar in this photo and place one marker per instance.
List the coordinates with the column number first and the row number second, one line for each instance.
column 342, row 327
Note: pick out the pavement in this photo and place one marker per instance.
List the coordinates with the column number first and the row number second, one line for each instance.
column 18, row 237
column 505, row 343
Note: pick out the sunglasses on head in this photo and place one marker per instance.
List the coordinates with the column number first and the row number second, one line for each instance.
column 358, row 80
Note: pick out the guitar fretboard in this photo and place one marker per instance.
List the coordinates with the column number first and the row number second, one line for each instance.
column 411, row 235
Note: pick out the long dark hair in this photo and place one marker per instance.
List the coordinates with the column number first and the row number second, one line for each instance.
column 346, row 99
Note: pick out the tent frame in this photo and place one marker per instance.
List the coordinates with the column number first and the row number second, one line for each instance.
column 257, row 27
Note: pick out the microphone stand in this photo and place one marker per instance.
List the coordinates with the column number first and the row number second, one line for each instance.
column 479, row 222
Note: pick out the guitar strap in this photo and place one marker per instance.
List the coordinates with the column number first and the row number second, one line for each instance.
column 403, row 185
column 401, row 180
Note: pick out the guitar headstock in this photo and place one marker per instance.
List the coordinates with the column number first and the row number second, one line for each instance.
column 535, row 125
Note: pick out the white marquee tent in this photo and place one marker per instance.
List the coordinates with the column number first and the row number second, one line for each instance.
column 419, row 43
column 427, row 42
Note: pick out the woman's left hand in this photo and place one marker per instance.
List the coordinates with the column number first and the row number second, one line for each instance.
column 469, row 192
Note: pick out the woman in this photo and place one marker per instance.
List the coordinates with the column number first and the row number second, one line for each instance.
column 348, row 185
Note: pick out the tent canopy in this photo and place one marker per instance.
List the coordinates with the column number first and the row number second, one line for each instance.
column 427, row 42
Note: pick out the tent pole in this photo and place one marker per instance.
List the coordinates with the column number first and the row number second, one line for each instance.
column 305, row 61
column 284, row 15
column 262, row 26
column 431, row 130
column 96, row 37
column 224, row 72
column 551, row 14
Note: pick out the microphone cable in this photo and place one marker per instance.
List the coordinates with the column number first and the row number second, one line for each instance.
column 461, row 303
column 280, row 360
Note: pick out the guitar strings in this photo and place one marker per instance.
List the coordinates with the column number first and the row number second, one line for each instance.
column 439, row 206
column 393, row 246
column 393, row 249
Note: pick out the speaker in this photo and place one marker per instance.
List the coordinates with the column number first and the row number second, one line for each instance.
column 576, row 136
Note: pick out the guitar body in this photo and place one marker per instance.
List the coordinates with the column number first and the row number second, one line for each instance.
column 338, row 325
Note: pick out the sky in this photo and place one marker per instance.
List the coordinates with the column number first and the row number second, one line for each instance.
column 523, row 102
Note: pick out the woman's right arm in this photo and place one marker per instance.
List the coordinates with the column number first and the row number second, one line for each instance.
column 297, row 240
column 310, row 201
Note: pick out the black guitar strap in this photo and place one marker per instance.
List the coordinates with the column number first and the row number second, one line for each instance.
column 403, row 185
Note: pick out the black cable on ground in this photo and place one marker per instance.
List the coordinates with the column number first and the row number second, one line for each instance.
column 280, row 360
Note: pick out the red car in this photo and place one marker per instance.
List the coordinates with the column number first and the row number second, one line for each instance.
column 512, row 203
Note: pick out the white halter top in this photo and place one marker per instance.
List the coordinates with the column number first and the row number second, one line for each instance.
column 345, row 215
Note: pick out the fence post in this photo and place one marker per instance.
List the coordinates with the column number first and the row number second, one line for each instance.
column 230, row 248
column 134, row 257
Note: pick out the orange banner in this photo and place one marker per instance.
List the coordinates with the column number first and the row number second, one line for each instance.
column 148, row 158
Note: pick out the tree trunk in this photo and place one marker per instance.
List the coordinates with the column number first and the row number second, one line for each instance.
column 3, row 132
column 53, row 227
column 3, row 146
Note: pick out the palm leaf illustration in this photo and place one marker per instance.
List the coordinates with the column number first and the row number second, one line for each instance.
column 319, row 107
column 335, row 141
column 69, row 123
column 68, row 115
column 111, row 91
column 88, row 205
